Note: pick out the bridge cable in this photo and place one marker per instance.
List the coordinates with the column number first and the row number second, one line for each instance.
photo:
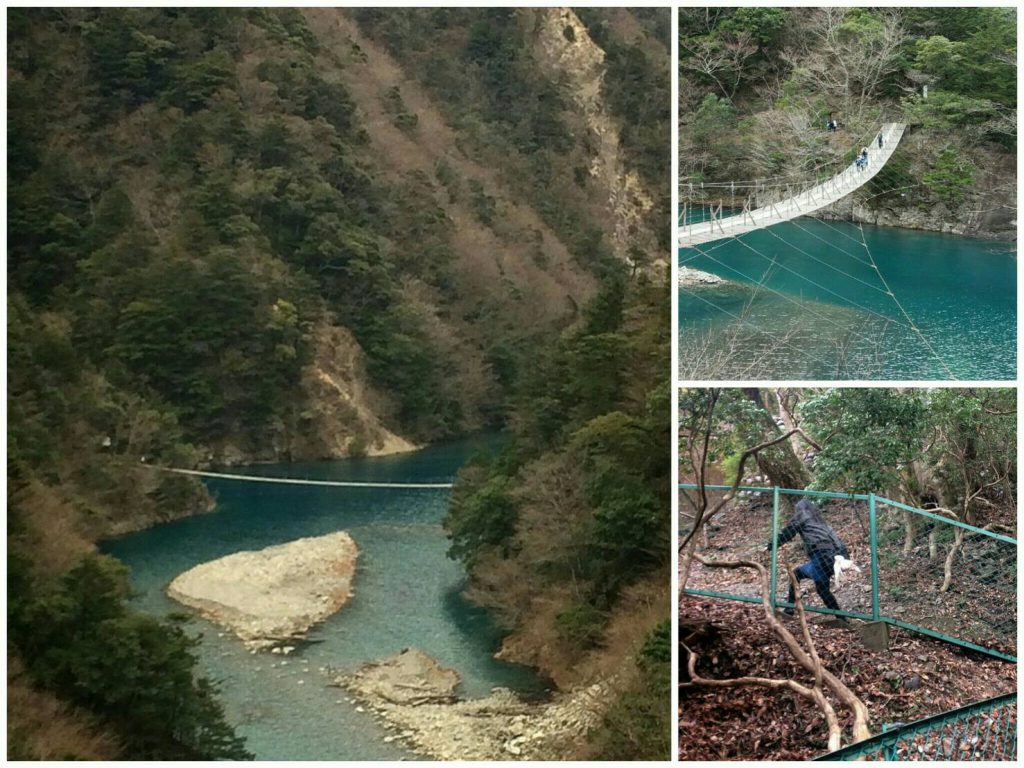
column 295, row 480
column 790, row 299
column 762, row 332
column 896, row 301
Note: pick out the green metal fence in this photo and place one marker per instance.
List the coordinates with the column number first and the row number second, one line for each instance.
column 983, row 731
column 919, row 570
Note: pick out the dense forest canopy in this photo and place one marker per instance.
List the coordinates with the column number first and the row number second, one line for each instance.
column 211, row 212
column 952, row 448
column 758, row 84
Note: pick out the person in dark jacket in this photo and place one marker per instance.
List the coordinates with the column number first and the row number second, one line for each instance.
column 821, row 544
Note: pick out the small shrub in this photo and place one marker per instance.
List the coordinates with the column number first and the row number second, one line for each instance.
column 582, row 625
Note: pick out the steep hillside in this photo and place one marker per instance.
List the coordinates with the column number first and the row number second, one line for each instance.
column 573, row 124
column 247, row 185
column 565, row 534
column 270, row 234
column 758, row 86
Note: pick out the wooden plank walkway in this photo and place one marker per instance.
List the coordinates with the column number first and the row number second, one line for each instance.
column 297, row 480
column 809, row 201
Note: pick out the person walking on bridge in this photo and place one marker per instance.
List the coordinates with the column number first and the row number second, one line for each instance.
column 821, row 543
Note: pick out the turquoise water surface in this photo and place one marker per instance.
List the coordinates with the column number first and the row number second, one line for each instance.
column 825, row 312
column 406, row 593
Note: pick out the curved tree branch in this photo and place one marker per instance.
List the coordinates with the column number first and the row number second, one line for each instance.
column 808, row 660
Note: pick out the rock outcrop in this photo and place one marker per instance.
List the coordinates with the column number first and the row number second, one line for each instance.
column 342, row 417
column 271, row 597
column 409, row 677
column 564, row 43
column 690, row 277
column 414, row 697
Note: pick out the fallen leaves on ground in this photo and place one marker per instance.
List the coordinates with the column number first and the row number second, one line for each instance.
column 918, row 677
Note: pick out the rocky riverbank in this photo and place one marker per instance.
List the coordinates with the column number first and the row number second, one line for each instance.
column 415, row 698
column 986, row 222
column 691, row 278
column 271, row 597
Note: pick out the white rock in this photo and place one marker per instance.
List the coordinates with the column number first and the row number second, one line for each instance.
column 269, row 594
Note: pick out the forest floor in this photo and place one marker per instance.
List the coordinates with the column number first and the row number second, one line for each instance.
column 980, row 605
column 917, row 677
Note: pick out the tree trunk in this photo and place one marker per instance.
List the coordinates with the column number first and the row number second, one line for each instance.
column 908, row 526
column 779, row 463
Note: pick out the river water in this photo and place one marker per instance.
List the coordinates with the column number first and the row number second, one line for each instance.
column 824, row 311
column 406, row 593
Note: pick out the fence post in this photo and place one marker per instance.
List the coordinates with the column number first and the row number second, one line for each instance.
column 775, row 538
column 873, row 518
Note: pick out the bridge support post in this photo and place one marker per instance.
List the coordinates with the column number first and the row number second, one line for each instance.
column 874, row 635
column 775, row 538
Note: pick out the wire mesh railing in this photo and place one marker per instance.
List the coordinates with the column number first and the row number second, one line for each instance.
column 947, row 578
column 766, row 203
column 986, row 730
column 866, row 557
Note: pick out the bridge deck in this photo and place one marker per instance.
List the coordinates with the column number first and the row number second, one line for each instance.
column 296, row 480
column 811, row 200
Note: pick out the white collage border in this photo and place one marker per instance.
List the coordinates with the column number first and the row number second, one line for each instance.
column 673, row 240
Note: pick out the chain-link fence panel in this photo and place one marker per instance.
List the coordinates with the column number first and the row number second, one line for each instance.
column 986, row 730
column 827, row 538
column 950, row 579
column 741, row 530
column 775, row 527
column 861, row 556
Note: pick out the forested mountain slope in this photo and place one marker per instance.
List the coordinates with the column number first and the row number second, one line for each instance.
column 757, row 86
column 266, row 234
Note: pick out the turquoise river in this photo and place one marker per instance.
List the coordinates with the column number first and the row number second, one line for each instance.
column 823, row 310
column 406, row 593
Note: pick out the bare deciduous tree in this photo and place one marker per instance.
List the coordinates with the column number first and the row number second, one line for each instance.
column 720, row 60
column 850, row 60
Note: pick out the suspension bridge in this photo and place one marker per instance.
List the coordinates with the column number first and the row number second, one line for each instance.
column 798, row 202
column 833, row 318
column 297, row 480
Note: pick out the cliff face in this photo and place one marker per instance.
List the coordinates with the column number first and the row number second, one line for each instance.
column 338, row 413
column 564, row 45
